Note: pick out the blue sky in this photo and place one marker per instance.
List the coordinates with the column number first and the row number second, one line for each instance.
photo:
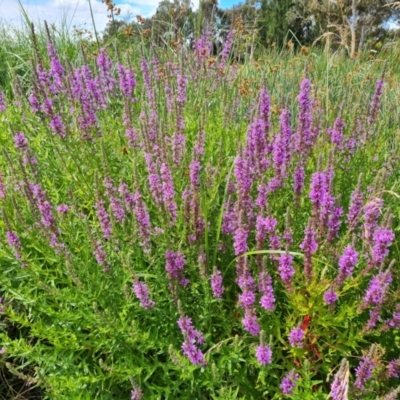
column 76, row 12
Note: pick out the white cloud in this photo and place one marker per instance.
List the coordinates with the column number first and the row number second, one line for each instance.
column 73, row 12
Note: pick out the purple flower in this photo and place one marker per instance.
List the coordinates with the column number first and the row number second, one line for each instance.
column 304, row 133
column 100, row 255
column 264, row 354
column 364, row 372
column 107, row 81
column 250, row 322
column 309, row 246
column 340, row 384
column 377, row 289
column 286, row 269
column 227, row 46
column 394, row 322
column 330, row 297
column 299, row 176
column 21, row 143
column 62, row 209
column 136, row 394
column 375, row 103
column 191, row 338
column 334, row 223
column 2, row 187
column 372, row 212
column 104, row 219
column 115, row 202
column 355, row 207
column 142, row 294
column 265, row 287
column 175, row 263
column 336, row 133
column 289, row 382
column 2, row 102
column 142, row 219
column 216, row 284
column 168, row 191
column 56, row 68
column 347, row 261
column 296, row 337
column 247, row 298
column 127, row 81
column 382, row 239
column 228, row 221
column 240, row 240
column 393, row 369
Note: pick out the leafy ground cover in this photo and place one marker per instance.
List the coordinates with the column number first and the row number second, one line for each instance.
column 175, row 225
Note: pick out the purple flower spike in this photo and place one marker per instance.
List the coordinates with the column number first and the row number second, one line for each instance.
column 382, row 239
column 192, row 337
column 265, row 287
column 347, row 262
column 21, row 143
column 142, row 294
column 289, row 382
column 216, row 284
column 340, row 384
column 2, row 103
column 175, row 263
column 136, row 394
column 250, row 322
column 296, row 337
column 62, row 209
column 264, row 354
column 364, row 371
column 286, row 269
column 330, row 297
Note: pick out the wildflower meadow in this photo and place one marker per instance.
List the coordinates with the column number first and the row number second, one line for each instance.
column 177, row 224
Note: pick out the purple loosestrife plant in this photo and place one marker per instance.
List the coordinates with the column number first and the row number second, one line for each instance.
column 20, row 141
column 104, row 63
column 303, row 140
column 142, row 294
column 382, row 239
column 289, row 382
column 15, row 243
column 3, row 106
column 336, row 133
column 377, row 289
column 168, row 191
column 115, row 202
column 347, row 262
column 309, row 246
column 356, row 203
column 266, row 289
column 296, row 337
column 103, row 218
column 393, row 369
column 364, row 370
column 2, row 187
column 340, row 384
column 216, row 284
column 264, row 354
column 372, row 211
column 56, row 68
column 250, row 322
column 192, row 338
column 375, row 102
column 175, row 263
column 286, row 270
